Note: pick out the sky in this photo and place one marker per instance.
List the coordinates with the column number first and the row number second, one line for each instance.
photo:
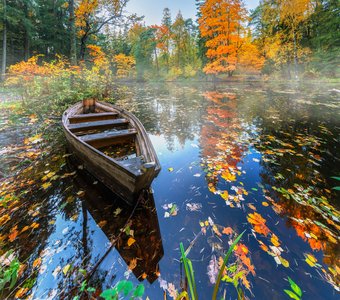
column 153, row 9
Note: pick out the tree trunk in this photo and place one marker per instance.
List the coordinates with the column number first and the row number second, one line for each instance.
column 4, row 43
column 295, row 56
column 26, row 46
column 82, row 47
column 73, row 41
column 156, row 59
column 26, row 34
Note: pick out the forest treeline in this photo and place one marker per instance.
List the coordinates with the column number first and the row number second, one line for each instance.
column 290, row 38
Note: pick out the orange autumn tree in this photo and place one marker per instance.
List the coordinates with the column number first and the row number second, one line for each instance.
column 221, row 25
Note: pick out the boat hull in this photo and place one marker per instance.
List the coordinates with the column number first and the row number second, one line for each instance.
column 110, row 172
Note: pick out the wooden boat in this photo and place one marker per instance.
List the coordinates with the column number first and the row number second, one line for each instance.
column 113, row 145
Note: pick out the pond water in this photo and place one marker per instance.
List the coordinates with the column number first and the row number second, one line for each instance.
column 254, row 158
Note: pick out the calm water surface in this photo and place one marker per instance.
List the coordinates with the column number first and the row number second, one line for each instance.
column 234, row 158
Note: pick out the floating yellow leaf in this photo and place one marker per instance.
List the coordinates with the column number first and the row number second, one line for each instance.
column 4, row 219
column 80, row 193
column 225, row 195
column 131, row 241
column 275, row 240
column 46, row 185
column 265, row 203
column 66, row 269
column 284, row 262
column 24, row 229
column 35, row 225
column 170, row 169
column 311, row 260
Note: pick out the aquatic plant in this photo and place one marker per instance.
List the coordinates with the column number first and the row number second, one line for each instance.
column 189, row 272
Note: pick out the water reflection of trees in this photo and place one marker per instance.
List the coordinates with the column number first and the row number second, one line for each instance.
column 172, row 111
column 298, row 145
column 223, row 144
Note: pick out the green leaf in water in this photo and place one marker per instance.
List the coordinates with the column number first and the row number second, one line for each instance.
column 336, row 178
column 337, row 188
column 292, row 295
column 295, row 287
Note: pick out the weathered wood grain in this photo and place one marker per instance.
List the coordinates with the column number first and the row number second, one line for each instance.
column 106, row 124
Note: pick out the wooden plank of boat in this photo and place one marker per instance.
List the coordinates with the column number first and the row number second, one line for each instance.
column 127, row 178
column 108, row 138
column 92, row 117
column 105, row 124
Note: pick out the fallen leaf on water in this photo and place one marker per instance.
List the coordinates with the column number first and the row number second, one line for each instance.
column 131, row 241
column 24, row 229
column 258, row 223
column 133, row 263
column 265, row 203
column 275, row 240
column 37, row 262
column 284, row 262
column 34, row 225
column 311, row 260
column 66, row 269
column 4, row 219
column 74, row 217
column 225, row 195
column 101, row 224
column 215, row 229
column 14, row 233
column 251, row 206
column 56, row 272
column 227, row 230
column 46, row 185
column 117, row 211
column 170, row 169
column 80, row 193
column 21, row 292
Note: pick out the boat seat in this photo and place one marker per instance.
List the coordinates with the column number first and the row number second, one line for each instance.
column 134, row 165
column 109, row 138
column 105, row 124
column 93, row 117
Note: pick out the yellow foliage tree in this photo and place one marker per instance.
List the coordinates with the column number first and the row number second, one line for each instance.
column 125, row 65
column 250, row 59
column 92, row 15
